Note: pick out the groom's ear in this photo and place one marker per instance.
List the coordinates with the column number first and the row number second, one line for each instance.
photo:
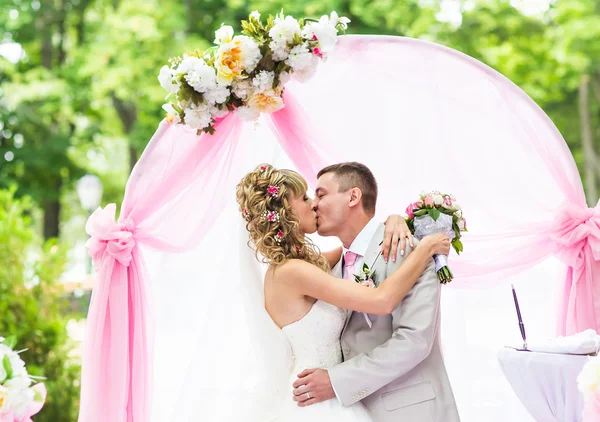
column 355, row 197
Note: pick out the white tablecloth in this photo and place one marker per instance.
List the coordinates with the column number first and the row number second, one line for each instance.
column 545, row 383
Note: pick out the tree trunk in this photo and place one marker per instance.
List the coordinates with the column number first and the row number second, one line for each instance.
column 52, row 215
column 587, row 141
column 133, row 158
column 128, row 115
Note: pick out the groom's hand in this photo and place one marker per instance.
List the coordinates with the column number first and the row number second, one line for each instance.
column 316, row 383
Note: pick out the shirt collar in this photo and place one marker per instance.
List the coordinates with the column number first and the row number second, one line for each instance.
column 361, row 242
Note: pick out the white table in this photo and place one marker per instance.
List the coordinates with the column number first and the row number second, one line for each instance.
column 545, row 383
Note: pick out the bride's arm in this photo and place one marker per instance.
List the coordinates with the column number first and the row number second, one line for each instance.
column 311, row 281
column 333, row 256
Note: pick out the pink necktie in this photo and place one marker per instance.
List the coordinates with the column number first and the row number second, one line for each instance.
column 349, row 261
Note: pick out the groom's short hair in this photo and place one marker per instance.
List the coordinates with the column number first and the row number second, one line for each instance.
column 355, row 175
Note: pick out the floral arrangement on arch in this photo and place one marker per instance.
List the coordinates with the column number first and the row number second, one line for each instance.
column 246, row 74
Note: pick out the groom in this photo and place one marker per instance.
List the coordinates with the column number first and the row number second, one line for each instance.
column 393, row 363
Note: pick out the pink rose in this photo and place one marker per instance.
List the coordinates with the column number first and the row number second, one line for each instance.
column 447, row 202
column 317, row 52
column 429, row 201
column 418, row 204
column 367, row 283
column 409, row 211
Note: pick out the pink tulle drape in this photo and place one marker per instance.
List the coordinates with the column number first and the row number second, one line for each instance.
column 116, row 380
column 422, row 117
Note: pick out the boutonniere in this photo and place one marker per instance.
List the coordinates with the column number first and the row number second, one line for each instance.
column 367, row 277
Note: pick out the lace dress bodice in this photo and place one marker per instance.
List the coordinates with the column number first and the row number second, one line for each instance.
column 315, row 339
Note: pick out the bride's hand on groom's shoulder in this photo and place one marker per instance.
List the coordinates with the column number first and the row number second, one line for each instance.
column 396, row 233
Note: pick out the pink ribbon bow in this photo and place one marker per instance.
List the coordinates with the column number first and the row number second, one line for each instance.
column 575, row 228
column 576, row 237
column 109, row 237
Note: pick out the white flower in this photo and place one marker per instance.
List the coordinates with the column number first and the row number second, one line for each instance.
column 335, row 20
column 241, row 88
column 165, row 77
column 241, row 54
column 284, row 29
column 305, row 74
column 279, row 49
column 324, row 31
column 588, row 380
column 458, row 214
column 198, row 116
column 20, row 395
column 437, row 199
column 247, row 114
column 219, row 113
column 16, row 383
column 461, row 224
column 301, row 58
column 217, row 95
column 456, row 205
column 284, row 78
column 263, row 80
column 16, row 363
column 224, row 34
column 255, row 15
column 199, row 75
column 172, row 115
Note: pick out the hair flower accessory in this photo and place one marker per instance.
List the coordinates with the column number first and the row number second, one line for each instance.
column 279, row 236
column 273, row 191
column 270, row 216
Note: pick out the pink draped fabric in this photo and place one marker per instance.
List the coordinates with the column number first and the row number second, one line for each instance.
column 116, row 381
column 418, row 114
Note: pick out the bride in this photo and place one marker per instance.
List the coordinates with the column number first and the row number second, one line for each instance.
column 300, row 295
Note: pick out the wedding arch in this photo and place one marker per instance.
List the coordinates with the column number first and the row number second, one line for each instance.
column 422, row 116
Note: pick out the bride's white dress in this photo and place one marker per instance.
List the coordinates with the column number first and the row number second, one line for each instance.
column 315, row 342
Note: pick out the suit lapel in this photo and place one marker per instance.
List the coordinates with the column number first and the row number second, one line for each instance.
column 370, row 258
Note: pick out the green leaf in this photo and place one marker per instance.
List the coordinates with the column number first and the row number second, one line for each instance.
column 10, row 341
column 7, row 366
column 458, row 246
column 365, row 268
column 433, row 213
column 420, row 213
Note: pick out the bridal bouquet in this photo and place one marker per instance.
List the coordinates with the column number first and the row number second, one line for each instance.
column 436, row 212
column 18, row 400
column 246, row 73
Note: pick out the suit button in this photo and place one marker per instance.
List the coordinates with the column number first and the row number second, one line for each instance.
column 346, row 351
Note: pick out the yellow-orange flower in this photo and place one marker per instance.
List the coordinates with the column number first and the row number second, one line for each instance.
column 242, row 53
column 3, row 397
column 229, row 63
column 267, row 101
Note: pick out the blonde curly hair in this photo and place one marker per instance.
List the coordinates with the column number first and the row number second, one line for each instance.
column 263, row 196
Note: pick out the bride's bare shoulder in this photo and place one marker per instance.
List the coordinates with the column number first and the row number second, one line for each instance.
column 289, row 269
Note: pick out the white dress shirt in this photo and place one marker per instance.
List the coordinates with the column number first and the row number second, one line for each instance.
column 360, row 244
